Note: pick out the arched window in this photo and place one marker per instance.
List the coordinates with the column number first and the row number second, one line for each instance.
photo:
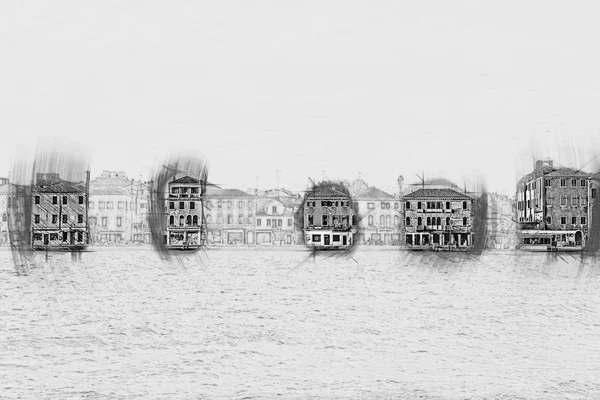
column 428, row 220
column 388, row 220
column 465, row 221
column 396, row 220
column 419, row 221
column 188, row 220
column 240, row 219
column 447, row 220
column 18, row 218
column 447, row 205
column 209, row 219
column 407, row 221
column 171, row 220
column 230, row 219
column 464, row 205
column 4, row 217
column 181, row 219
column 407, row 205
column 370, row 220
column 195, row 220
column 219, row 219
column 250, row 219
column 439, row 221
column 382, row 221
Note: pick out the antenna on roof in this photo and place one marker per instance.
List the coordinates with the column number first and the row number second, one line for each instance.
column 422, row 179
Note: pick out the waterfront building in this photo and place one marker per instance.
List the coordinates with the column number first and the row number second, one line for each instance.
column 59, row 213
column 14, row 217
column 379, row 214
column 118, row 209
column 274, row 222
column 438, row 218
column 230, row 217
column 329, row 217
column 553, row 207
column 502, row 228
column 185, row 213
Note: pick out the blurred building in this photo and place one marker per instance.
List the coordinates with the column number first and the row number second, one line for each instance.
column 230, row 216
column 379, row 214
column 14, row 215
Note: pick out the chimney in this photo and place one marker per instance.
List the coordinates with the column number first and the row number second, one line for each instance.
column 400, row 184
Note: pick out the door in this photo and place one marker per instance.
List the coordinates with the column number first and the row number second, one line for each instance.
column 45, row 239
column 72, row 237
column 250, row 239
column 326, row 239
column 345, row 240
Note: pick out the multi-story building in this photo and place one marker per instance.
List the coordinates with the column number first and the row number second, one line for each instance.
column 230, row 216
column 14, row 216
column 185, row 213
column 59, row 213
column 274, row 222
column 502, row 229
column 329, row 217
column 380, row 214
column 118, row 209
column 439, row 218
column 553, row 207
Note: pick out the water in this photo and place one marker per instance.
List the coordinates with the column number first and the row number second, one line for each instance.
column 267, row 324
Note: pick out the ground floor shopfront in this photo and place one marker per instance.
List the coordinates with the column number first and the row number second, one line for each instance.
column 230, row 236
column 60, row 239
column 183, row 237
column 439, row 239
column 321, row 238
column 375, row 237
column 275, row 237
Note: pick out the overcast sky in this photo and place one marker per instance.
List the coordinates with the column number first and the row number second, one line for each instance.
column 383, row 88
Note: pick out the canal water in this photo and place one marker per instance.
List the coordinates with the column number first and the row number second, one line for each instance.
column 284, row 324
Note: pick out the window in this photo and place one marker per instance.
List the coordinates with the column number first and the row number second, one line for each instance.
column 464, row 205
column 382, row 205
column 120, row 205
column 219, row 204
column 119, row 221
column 447, row 220
column 195, row 220
column 80, row 219
column 192, row 205
column 575, row 200
column 240, row 219
column 54, row 236
column 447, row 205
column 563, row 183
column 396, row 220
column 209, row 219
column 549, row 220
column 258, row 221
column 382, row 221
column 465, row 221
column 336, row 238
column 583, row 183
column 279, row 222
column 370, row 220
column 36, row 218
column 311, row 220
column 104, row 221
column 181, row 205
column 573, row 220
column 407, row 205
column 289, row 222
column 268, row 222
column 188, row 220
column 37, row 236
column 396, row 206
column 418, row 205
column 428, row 221
column 230, row 218
column 407, row 222
column 563, row 220
column 547, row 182
column 583, row 221
column 171, row 205
column 65, row 218
column 230, row 204
column 65, row 236
column 316, row 238
column 419, row 221
column 64, row 199
column 324, row 220
column 101, row 205
column 583, row 201
column 4, row 217
column 54, row 200
column 80, row 199
column 563, row 201
column 91, row 204
column 240, row 204
column 80, row 236
column 573, row 182
column 388, row 220
column 37, row 199
column 548, row 201
column 181, row 220
column 274, row 209
column 370, row 206
column 219, row 219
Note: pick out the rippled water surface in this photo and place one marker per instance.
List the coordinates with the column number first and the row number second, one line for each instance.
column 267, row 324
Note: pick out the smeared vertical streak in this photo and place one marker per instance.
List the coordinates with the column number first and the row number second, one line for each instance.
column 177, row 166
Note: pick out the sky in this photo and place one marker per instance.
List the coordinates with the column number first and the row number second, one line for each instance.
column 468, row 91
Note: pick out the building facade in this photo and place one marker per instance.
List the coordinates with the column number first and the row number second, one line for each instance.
column 555, row 201
column 14, row 215
column 379, row 214
column 185, row 213
column 230, row 217
column 274, row 223
column 329, row 218
column 59, row 213
column 438, row 219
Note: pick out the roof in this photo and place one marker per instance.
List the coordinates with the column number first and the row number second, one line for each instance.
column 213, row 192
column 186, row 179
column 436, row 194
column 435, row 182
column 60, row 187
column 566, row 172
column 374, row 194
column 326, row 192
